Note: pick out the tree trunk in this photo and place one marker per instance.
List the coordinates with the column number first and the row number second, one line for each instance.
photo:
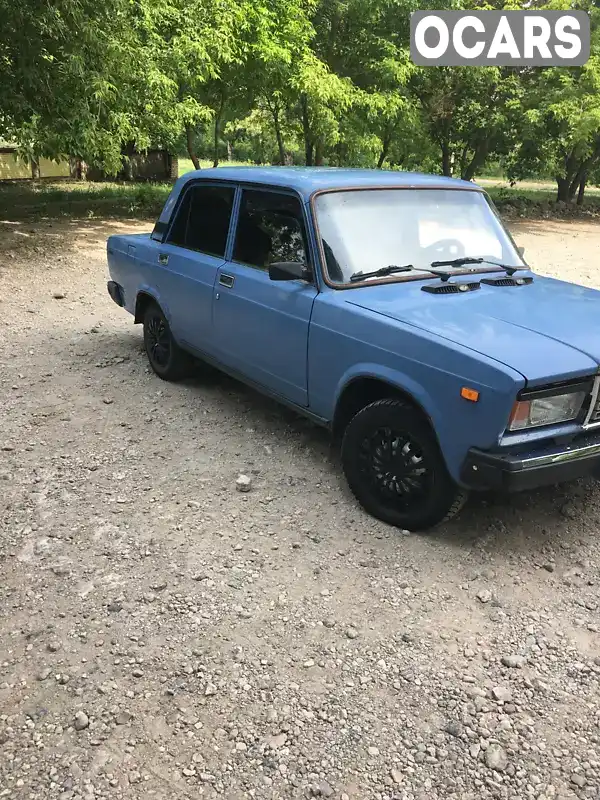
column 581, row 190
column 216, row 141
column 385, row 149
column 274, row 108
column 189, row 134
column 319, row 154
column 308, row 144
column 579, row 181
column 446, row 160
column 35, row 169
column 81, row 169
column 468, row 171
column 574, row 184
column 279, row 136
column 562, row 194
column 568, row 182
column 464, row 160
column 218, row 121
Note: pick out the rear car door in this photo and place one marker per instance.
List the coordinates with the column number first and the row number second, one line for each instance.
column 260, row 325
column 189, row 259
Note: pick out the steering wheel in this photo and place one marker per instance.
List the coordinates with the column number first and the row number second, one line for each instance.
column 445, row 249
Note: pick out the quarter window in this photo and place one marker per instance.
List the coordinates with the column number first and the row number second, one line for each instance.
column 202, row 221
column 270, row 229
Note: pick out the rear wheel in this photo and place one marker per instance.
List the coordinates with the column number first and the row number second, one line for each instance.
column 166, row 358
column 395, row 469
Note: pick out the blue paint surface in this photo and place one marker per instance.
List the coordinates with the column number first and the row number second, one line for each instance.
column 307, row 343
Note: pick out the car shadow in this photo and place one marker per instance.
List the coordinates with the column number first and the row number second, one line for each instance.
column 555, row 516
column 261, row 409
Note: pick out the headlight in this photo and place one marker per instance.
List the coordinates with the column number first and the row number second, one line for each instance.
column 545, row 410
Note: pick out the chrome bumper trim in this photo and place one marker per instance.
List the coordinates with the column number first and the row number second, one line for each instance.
column 568, row 454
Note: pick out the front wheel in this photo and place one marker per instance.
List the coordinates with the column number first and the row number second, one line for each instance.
column 166, row 358
column 395, row 469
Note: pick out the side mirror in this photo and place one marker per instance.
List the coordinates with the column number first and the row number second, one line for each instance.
column 289, row 271
column 521, row 251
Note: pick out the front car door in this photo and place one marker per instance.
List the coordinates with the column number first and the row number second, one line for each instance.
column 260, row 325
column 189, row 259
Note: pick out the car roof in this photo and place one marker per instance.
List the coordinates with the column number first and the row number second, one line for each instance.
column 307, row 180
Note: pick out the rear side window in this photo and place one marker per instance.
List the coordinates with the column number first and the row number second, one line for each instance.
column 202, row 219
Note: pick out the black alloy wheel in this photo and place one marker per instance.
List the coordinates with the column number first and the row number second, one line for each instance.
column 166, row 358
column 158, row 341
column 395, row 469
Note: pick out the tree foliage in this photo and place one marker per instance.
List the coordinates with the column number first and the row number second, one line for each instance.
column 285, row 81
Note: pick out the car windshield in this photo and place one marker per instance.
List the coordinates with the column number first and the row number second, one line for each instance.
column 365, row 230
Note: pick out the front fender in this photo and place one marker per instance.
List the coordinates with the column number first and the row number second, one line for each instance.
column 396, row 379
column 457, row 423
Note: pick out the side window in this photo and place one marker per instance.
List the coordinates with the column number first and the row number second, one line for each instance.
column 270, row 228
column 202, row 221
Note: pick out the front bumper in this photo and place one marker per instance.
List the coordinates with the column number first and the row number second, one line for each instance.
column 544, row 466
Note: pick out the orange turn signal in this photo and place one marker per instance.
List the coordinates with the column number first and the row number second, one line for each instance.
column 469, row 394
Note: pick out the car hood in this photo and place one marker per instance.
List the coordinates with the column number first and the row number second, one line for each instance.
column 546, row 330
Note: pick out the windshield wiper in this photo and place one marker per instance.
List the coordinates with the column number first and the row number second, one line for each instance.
column 389, row 270
column 510, row 269
column 443, row 274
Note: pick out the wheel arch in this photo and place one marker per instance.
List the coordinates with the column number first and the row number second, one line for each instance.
column 377, row 484
column 144, row 297
column 361, row 389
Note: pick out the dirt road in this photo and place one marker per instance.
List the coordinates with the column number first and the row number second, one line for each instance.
column 165, row 636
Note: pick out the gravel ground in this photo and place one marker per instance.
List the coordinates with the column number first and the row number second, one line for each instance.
column 165, row 635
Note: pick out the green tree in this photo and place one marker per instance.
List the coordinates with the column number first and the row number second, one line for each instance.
column 355, row 93
column 470, row 113
column 62, row 69
column 563, row 131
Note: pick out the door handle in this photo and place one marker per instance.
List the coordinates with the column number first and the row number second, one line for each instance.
column 226, row 280
column 163, row 259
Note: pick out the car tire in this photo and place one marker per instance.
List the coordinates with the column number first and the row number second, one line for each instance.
column 166, row 358
column 395, row 469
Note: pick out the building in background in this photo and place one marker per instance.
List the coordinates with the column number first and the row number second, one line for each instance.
column 153, row 165
column 13, row 168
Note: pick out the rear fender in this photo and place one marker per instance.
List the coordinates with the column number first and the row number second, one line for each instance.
column 152, row 291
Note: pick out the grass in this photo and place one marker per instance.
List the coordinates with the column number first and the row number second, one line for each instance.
column 545, row 189
column 85, row 200
column 82, row 200
column 538, row 200
column 185, row 164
